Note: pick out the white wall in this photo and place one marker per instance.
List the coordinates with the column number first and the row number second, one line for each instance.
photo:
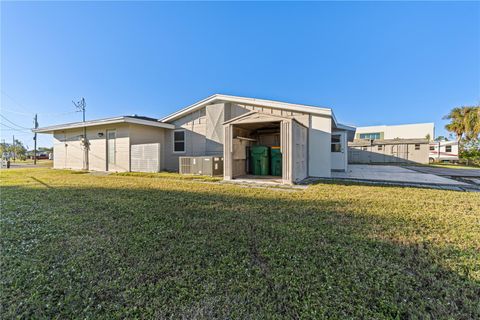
column 405, row 131
column 319, row 140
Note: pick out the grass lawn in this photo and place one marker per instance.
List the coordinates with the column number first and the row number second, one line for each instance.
column 40, row 162
column 75, row 245
column 452, row 166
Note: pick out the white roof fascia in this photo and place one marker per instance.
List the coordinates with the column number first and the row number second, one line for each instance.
column 100, row 122
column 249, row 101
column 345, row 127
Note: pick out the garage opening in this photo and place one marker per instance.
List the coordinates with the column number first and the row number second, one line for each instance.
column 256, row 151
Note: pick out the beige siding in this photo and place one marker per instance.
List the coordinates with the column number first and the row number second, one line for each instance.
column 59, row 150
column 97, row 156
column 145, row 135
column 74, row 151
column 195, row 128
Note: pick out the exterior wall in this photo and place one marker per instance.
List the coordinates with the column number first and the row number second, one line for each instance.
column 340, row 159
column 68, row 150
column 195, row 126
column 59, row 150
column 98, row 148
column 145, row 134
column 319, row 141
column 406, row 131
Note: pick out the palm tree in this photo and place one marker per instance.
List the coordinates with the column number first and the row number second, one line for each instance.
column 457, row 121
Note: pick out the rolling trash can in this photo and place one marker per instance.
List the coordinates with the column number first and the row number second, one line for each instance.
column 276, row 161
column 260, row 160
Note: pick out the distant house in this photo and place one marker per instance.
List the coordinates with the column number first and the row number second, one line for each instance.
column 310, row 139
column 408, row 143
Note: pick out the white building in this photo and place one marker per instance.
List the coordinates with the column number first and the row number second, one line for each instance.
column 403, row 131
column 311, row 140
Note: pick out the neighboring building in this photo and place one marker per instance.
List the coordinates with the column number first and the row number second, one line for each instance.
column 392, row 151
column 403, row 131
column 407, row 143
column 311, row 141
column 443, row 151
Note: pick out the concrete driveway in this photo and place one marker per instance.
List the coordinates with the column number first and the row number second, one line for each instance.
column 386, row 173
column 447, row 172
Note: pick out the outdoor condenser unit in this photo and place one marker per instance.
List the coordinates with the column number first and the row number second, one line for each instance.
column 204, row 165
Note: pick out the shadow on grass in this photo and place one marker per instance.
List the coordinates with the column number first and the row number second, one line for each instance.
column 114, row 252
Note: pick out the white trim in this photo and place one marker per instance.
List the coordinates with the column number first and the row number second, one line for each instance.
column 184, row 141
column 250, row 101
column 102, row 122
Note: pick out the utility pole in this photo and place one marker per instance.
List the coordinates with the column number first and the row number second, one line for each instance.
column 81, row 106
column 13, row 147
column 35, row 124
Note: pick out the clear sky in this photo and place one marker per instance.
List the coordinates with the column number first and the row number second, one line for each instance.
column 373, row 63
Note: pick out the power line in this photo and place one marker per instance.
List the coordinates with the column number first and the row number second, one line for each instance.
column 15, row 129
column 16, row 112
column 14, row 123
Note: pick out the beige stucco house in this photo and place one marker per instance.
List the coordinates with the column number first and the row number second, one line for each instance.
column 311, row 141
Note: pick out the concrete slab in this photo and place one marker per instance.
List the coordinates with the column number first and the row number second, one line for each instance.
column 393, row 174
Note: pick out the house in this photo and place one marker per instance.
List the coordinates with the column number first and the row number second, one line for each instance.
column 407, row 143
column 311, row 141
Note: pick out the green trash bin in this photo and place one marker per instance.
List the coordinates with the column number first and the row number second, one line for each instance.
column 260, row 159
column 276, row 161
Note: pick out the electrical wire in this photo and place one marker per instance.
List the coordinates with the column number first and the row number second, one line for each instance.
column 13, row 122
column 15, row 129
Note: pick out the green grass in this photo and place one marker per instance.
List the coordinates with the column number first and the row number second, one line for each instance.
column 40, row 163
column 453, row 166
column 132, row 246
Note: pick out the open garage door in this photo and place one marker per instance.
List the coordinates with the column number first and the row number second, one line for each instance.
column 145, row 157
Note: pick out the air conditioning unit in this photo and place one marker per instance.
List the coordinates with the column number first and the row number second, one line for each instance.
column 203, row 165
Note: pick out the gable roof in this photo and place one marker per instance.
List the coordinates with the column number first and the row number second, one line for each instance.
column 123, row 119
column 249, row 101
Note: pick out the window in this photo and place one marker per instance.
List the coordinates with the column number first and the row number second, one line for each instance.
column 336, row 143
column 364, row 148
column 371, row 136
column 448, row 148
column 432, row 148
column 417, row 147
column 380, row 147
column 179, row 141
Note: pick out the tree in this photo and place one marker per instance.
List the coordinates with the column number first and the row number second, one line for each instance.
column 441, row 138
column 464, row 122
column 18, row 149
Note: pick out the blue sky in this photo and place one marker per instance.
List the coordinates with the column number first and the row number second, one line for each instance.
column 373, row 63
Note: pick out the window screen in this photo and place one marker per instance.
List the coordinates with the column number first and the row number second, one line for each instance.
column 448, row 148
column 179, row 141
